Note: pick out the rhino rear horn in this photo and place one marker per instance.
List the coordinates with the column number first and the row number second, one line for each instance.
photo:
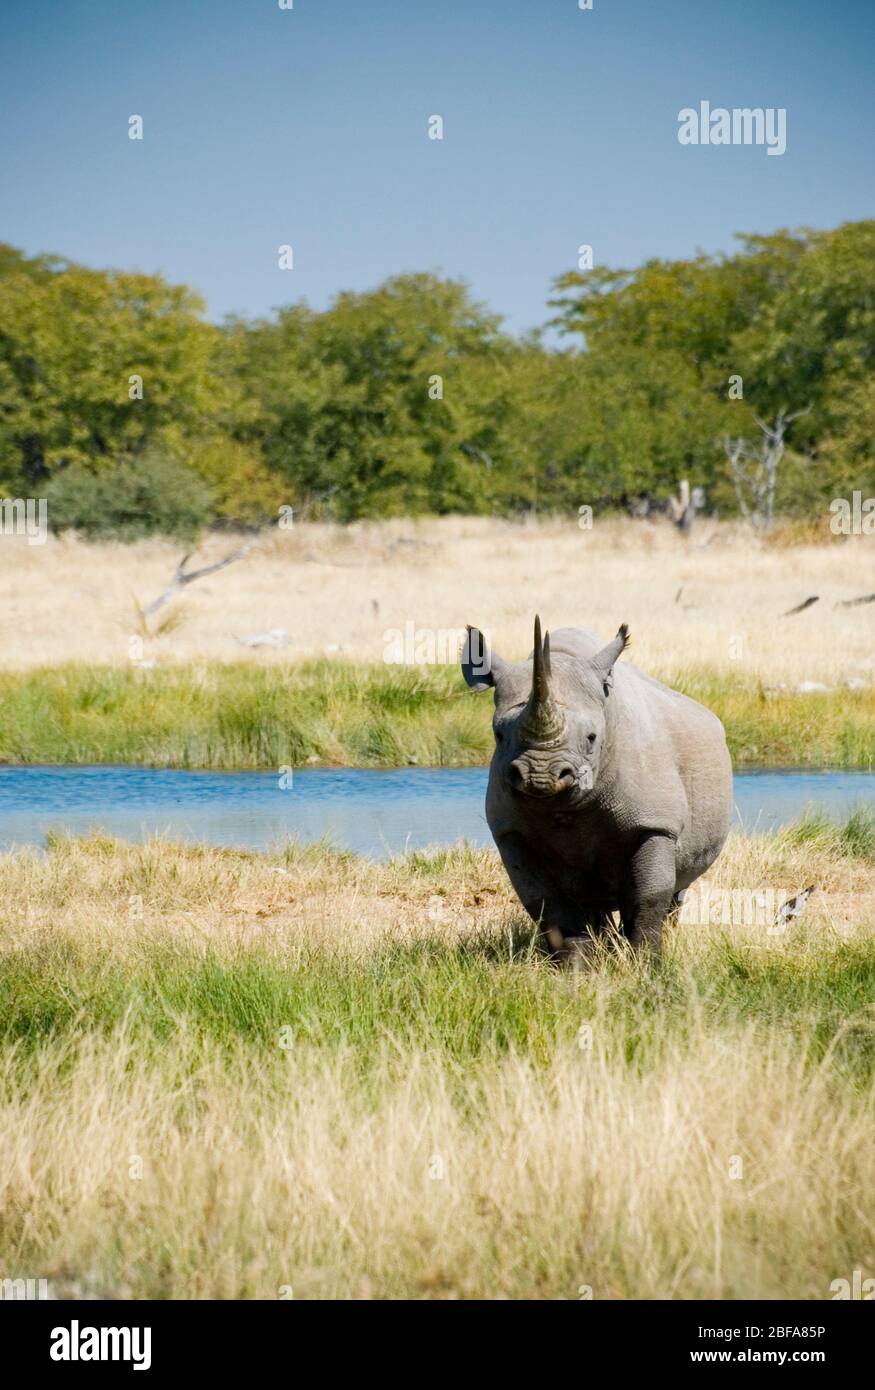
column 603, row 662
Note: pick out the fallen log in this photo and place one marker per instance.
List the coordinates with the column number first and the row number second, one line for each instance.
column 801, row 607
column 184, row 576
column 855, row 602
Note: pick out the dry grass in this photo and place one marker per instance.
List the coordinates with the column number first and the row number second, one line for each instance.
column 714, row 602
column 227, row 1073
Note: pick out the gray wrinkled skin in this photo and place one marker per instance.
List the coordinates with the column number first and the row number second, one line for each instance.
column 608, row 791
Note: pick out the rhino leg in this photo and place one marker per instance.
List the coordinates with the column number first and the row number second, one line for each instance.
column 649, row 896
column 580, row 950
column 557, row 915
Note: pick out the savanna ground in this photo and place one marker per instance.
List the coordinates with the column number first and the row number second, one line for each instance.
column 232, row 1075
column 86, row 678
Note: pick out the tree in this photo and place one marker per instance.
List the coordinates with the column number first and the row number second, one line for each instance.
column 754, row 468
column 790, row 317
column 74, row 344
column 384, row 404
column 411, row 398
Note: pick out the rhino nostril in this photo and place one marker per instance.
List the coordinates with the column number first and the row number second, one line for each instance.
column 566, row 776
column 516, row 774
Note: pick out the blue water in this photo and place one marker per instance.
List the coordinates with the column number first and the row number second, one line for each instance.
column 377, row 813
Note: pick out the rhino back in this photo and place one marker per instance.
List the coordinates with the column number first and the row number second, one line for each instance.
column 669, row 768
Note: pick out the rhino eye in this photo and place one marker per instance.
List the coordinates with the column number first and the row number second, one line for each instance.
column 590, row 738
column 499, row 735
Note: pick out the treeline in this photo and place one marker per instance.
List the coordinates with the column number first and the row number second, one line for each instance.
column 125, row 407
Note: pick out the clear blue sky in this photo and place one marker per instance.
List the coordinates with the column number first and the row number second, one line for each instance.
column 265, row 126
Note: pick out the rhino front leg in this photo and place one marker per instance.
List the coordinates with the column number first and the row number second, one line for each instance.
column 650, row 893
column 556, row 915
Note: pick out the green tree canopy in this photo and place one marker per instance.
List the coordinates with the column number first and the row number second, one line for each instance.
column 71, row 339
column 412, row 398
column 791, row 314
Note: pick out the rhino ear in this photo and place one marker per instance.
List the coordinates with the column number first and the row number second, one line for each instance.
column 603, row 662
column 479, row 666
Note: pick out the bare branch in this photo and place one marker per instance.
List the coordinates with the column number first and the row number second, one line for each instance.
column 683, row 508
column 801, row 607
column 736, row 450
column 477, row 453
column 855, row 602
column 754, row 468
column 183, row 576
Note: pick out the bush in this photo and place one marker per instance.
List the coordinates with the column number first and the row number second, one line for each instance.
column 148, row 496
column 244, row 490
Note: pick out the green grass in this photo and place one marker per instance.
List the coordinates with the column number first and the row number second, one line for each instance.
column 771, row 728
column 854, row 837
column 463, row 1006
column 286, row 1072
column 333, row 712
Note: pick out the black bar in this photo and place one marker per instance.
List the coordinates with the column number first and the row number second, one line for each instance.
column 262, row 1337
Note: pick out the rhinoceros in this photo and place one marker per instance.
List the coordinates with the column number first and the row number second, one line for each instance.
column 608, row 791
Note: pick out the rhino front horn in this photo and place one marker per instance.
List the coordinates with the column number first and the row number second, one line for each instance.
column 542, row 721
